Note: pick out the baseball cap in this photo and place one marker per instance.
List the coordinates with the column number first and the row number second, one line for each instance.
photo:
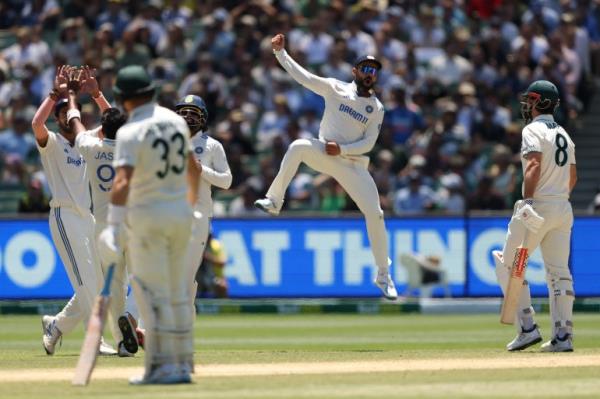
column 133, row 81
column 364, row 58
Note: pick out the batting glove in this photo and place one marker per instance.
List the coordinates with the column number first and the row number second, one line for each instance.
column 530, row 218
column 108, row 244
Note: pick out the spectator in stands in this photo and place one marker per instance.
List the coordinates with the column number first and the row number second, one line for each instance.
column 485, row 197
column 27, row 49
column 34, row 200
column 116, row 15
column 477, row 55
column 401, row 118
column 18, row 140
column 414, row 199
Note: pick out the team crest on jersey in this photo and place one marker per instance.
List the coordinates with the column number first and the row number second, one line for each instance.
column 199, row 150
column 369, row 109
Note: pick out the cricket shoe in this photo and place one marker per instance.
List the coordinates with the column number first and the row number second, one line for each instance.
column 525, row 339
column 558, row 345
column 127, row 325
column 105, row 349
column 51, row 334
column 386, row 284
column 123, row 352
column 267, row 205
column 164, row 374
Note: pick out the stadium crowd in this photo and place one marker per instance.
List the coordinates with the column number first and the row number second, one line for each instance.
column 452, row 71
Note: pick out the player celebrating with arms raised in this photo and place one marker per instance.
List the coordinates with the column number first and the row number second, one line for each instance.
column 544, row 218
column 349, row 129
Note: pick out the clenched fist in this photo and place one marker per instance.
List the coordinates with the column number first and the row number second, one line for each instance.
column 332, row 148
column 278, row 42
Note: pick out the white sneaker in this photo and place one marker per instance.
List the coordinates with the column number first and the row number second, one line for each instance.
column 558, row 345
column 386, row 284
column 123, row 352
column 51, row 334
column 266, row 205
column 165, row 374
column 525, row 339
column 105, row 349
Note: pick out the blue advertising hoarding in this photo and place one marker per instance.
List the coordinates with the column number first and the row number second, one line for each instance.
column 314, row 257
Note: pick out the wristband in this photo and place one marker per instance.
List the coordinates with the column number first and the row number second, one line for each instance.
column 116, row 214
column 73, row 113
column 54, row 95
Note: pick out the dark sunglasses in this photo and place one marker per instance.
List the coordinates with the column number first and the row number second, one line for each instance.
column 369, row 70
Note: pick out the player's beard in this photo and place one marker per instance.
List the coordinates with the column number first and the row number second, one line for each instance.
column 364, row 84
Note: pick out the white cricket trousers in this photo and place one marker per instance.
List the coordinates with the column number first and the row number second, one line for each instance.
column 352, row 175
column 73, row 235
column 195, row 252
column 157, row 241
column 554, row 241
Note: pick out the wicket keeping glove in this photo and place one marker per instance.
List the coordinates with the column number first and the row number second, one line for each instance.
column 530, row 218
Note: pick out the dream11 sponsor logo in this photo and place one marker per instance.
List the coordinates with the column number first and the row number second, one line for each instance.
column 28, row 259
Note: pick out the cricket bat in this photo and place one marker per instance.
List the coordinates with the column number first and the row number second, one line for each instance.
column 515, row 283
column 93, row 335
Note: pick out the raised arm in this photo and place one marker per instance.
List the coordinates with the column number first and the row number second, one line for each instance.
column 89, row 85
column 319, row 85
column 220, row 176
column 38, row 124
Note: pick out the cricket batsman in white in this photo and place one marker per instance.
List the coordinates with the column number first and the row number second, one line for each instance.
column 156, row 183
column 549, row 175
column 349, row 129
column 214, row 171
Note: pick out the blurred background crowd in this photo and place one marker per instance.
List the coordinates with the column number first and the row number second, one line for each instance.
column 451, row 78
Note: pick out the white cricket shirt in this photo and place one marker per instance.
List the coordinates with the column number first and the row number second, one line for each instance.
column 156, row 142
column 215, row 170
column 544, row 135
column 65, row 170
column 99, row 155
column 351, row 121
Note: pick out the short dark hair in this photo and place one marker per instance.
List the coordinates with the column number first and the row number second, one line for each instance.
column 112, row 120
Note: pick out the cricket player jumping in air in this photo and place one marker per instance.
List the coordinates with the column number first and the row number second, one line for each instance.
column 549, row 175
column 349, row 129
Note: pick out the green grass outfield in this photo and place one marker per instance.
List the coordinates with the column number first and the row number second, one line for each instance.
column 323, row 356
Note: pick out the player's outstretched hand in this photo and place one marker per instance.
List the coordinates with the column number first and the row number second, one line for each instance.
column 278, row 42
column 89, row 84
column 332, row 148
column 61, row 78
column 75, row 79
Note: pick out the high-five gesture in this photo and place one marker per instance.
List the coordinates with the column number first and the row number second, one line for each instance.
column 89, row 84
column 75, row 79
column 278, row 42
column 61, row 78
